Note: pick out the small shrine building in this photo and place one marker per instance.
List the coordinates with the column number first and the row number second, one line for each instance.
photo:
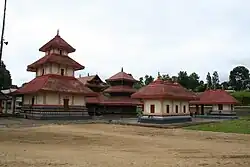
column 218, row 99
column 164, row 102
column 55, row 92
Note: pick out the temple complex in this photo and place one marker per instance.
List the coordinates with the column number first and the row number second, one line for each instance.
column 55, row 92
column 164, row 102
column 214, row 102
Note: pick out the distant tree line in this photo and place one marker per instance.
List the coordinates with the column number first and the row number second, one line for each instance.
column 238, row 80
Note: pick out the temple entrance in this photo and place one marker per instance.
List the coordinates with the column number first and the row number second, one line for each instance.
column 66, row 104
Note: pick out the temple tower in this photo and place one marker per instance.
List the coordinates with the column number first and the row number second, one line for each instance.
column 55, row 92
column 119, row 92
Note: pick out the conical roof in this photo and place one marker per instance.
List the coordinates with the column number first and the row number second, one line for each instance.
column 160, row 89
column 57, row 43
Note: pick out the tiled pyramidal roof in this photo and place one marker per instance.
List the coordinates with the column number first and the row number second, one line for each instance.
column 56, row 43
column 55, row 83
column 218, row 96
column 122, row 76
column 160, row 89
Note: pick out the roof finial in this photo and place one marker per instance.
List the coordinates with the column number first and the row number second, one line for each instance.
column 122, row 69
column 57, row 32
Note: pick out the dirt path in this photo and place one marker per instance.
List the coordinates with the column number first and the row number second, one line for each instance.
column 113, row 145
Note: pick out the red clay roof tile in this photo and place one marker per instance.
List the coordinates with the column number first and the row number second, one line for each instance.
column 57, row 59
column 120, row 101
column 121, row 76
column 55, row 83
column 57, row 43
column 85, row 79
column 120, row 88
column 164, row 90
column 112, row 101
column 96, row 100
column 218, row 96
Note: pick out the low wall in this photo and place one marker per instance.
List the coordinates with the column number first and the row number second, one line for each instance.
column 240, row 110
column 55, row 112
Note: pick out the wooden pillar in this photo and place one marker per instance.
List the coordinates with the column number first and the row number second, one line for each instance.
column 202, row 109
column 196, row 109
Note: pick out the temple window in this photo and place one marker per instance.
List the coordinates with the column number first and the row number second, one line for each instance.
column 60, row 52
column 220, row 106
column 167, row 108
column 43, row 72
column 184, row 109
column 62, row 72
column 176, row 108
column 152, row 108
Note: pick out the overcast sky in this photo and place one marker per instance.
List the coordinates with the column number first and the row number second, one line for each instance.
column 143, row 36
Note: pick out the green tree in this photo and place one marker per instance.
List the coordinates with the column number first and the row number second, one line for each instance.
column 209, row 81
column 215, row 80
column 242, row 96
column 5, row 77
column 183, row 79
column 139, row 84
column 239, row 78
column 193, row 81
column 166, row 77
column 148, row 79
column 201, row 88
column 225, row 85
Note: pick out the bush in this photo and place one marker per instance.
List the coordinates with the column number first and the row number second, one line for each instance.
column 242, row 96
column 139, row 111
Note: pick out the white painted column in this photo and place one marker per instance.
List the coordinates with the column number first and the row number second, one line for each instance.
column 13, row 104
column 5, row 106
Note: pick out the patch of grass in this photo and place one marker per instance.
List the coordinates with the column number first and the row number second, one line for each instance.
column 241, row 125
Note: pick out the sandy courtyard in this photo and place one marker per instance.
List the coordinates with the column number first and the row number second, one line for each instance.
column 120, row 146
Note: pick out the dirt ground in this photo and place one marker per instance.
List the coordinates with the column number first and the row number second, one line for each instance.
column 103, row 145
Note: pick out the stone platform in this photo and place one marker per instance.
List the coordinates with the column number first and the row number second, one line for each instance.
column 164, row 119
column 55, row 112
column 219, row 115
column 216, row 117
